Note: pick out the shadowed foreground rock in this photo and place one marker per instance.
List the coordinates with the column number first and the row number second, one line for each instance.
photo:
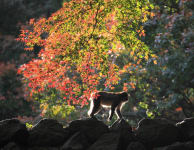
column 181, row 146
column 84, row 133
column 108, row 141
column 178, row 146
column 157, row 132
column 92, row 134
column 90, row 127
column 76, row 142
column 12, row 130
column 124, row 131
column 186, row 127
column 120, row 132
column 47, row 132
column 136, row 146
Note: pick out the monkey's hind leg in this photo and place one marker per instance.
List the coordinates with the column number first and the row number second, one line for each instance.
column 111, row 112
column 118, row 112
column 94, row 108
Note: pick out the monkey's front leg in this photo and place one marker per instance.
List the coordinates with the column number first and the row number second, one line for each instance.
column 118, row 113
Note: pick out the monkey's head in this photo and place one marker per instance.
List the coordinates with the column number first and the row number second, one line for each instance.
column 125, row 96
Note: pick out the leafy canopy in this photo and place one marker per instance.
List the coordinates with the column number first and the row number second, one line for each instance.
column 80, row 43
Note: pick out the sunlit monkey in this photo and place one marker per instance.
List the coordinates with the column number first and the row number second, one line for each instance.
column 108, row 99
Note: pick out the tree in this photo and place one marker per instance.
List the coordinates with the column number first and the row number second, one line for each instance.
column 166, row 88
column 81, row 44
column 13, row 99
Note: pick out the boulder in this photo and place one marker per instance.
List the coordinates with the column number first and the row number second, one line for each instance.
column 108, row 141
column 76, row 142
column 90, row 127
column 120, row 125
column 186, row 127
column 181, row 146
column 157, row 132
column 124, row 131
column 12, row 130
column 11, row 146
column 136, row 146
column 119, row 136
column 48, row 132
column 42, row 148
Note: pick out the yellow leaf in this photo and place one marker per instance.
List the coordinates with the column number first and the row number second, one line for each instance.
column 100, row 74
column 155, row 62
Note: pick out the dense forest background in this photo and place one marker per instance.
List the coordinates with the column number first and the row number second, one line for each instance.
column 160, row 86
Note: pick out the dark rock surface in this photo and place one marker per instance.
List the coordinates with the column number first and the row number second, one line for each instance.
column 181, row 146
column 121, row 125
column 124, row 131
column 13, row 130
column 120, row 132
column 90, row 127
column 47, row 132
column 178, row 146
column 76, row 142
column 92, row 134
column 157, row 132
column 136, row 146
column 186, row 128
column 11, row 146
column 108, row 141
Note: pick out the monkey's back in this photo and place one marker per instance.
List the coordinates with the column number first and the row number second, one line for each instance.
column 106, row 98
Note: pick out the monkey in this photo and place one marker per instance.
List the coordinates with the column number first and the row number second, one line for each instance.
column 113, row 100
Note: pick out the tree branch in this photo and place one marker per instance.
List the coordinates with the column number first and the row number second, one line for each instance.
column 96, row 21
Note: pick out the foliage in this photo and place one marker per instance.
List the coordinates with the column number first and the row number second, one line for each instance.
column 29, row 126
column 52, row 105
column 86, row 46
column 14, row 101
column 98, row 45
column 166, row 88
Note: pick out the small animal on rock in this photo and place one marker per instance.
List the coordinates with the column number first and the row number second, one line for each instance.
column 113, row 100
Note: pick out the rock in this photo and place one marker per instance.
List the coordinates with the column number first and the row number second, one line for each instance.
column 124, row 131
column 77, row 142
column 121, row 125
column 43, row 148
column 181, row 146
column 186, row 128
column 157, row 132
column 90, row 127
column 136, row 146
column 108, row 141
column 48, row 132
column 11, row 146
column 12, row 130
column 118, row 138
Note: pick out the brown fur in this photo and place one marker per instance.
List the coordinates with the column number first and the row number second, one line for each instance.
column 114, row 100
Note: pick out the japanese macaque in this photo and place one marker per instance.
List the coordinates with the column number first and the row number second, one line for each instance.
column 107, row 99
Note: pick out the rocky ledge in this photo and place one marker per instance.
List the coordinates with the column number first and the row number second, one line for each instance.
column 92, row 134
